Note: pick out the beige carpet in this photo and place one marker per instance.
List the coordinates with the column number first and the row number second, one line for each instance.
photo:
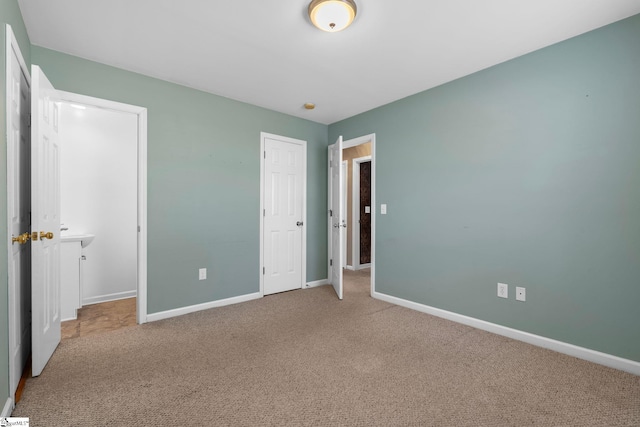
column 303, row 358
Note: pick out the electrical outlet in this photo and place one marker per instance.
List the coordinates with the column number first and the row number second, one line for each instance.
column 202, row 274
column 503, row 290
column 521, row 294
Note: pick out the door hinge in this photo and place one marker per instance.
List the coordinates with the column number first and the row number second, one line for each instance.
column 265, row 154
column 138, row 229
column 263, row 271
column 29, row 120
column 264, row 212
column 330, row 164
column 330, row 212
column 330, row 262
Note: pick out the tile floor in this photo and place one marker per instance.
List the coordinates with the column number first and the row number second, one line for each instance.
column 98, row 318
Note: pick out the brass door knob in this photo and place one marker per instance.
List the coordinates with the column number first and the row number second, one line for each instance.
column 47, row 235
column 21, row 239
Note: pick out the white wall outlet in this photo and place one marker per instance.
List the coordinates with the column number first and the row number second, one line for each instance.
column 383, row 209
column 503, row 290
column 521, row 294
column 202, row 274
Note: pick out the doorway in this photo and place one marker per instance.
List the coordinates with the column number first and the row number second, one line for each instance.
column 98, row 198
column 356, row 152
column 137, row 206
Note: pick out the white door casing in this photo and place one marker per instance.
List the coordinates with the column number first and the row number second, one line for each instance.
column 283, row 200
column 337, row 224
column 45, row 212
column 18, row 207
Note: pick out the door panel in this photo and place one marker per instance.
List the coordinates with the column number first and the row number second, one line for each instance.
column 45, row 217
column 337, row 223
column 283, row 216
column 19, row 183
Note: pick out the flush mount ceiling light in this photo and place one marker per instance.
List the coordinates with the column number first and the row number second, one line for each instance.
column 332, row 15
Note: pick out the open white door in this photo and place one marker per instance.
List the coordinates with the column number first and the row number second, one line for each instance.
column 336, row 221
column 45, row 220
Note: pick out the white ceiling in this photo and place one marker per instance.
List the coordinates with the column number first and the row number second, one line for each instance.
column 266, row 52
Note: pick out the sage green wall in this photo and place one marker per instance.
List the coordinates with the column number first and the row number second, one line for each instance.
column 203, row 180
column 527, row 173
column 9, row 14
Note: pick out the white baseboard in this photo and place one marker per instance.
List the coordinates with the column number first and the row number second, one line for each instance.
column 108, row 297
column 317, row 283
column 199, row 307
column 70, row 318
column 363, row 266
column 349, row 267
column 605, row 359
column 8, row 408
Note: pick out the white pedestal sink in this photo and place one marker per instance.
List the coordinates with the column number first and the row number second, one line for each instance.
column 84, row 239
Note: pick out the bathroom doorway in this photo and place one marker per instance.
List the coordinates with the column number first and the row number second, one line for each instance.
column 100, row 196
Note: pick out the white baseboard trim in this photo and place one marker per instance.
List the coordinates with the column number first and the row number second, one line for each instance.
column 71, row 318
column 363, row 266
column 349, row 267
column 108, row 297
column 317, row 283
column 8, row 408
column 605, row 359
column 199, row 307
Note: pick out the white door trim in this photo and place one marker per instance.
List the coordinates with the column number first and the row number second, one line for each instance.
column 352, row 143
column 263, row 137
column 355, row 204
column 141, row 112
column 11, row 46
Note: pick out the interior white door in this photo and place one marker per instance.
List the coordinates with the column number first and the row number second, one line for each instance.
column 283, row 215
column 45, row 218
column 337, row 222
column 18, row 193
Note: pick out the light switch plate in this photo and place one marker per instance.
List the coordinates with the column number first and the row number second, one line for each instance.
column 383, row 209
column 202, row 274
column 367, row 209
column 521, row 294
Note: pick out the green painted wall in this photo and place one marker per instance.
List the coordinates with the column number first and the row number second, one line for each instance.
column 526, row 173
column 9, row 14
column 203, row 180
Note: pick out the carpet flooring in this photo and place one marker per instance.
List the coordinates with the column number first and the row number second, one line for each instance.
column 303, row 358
